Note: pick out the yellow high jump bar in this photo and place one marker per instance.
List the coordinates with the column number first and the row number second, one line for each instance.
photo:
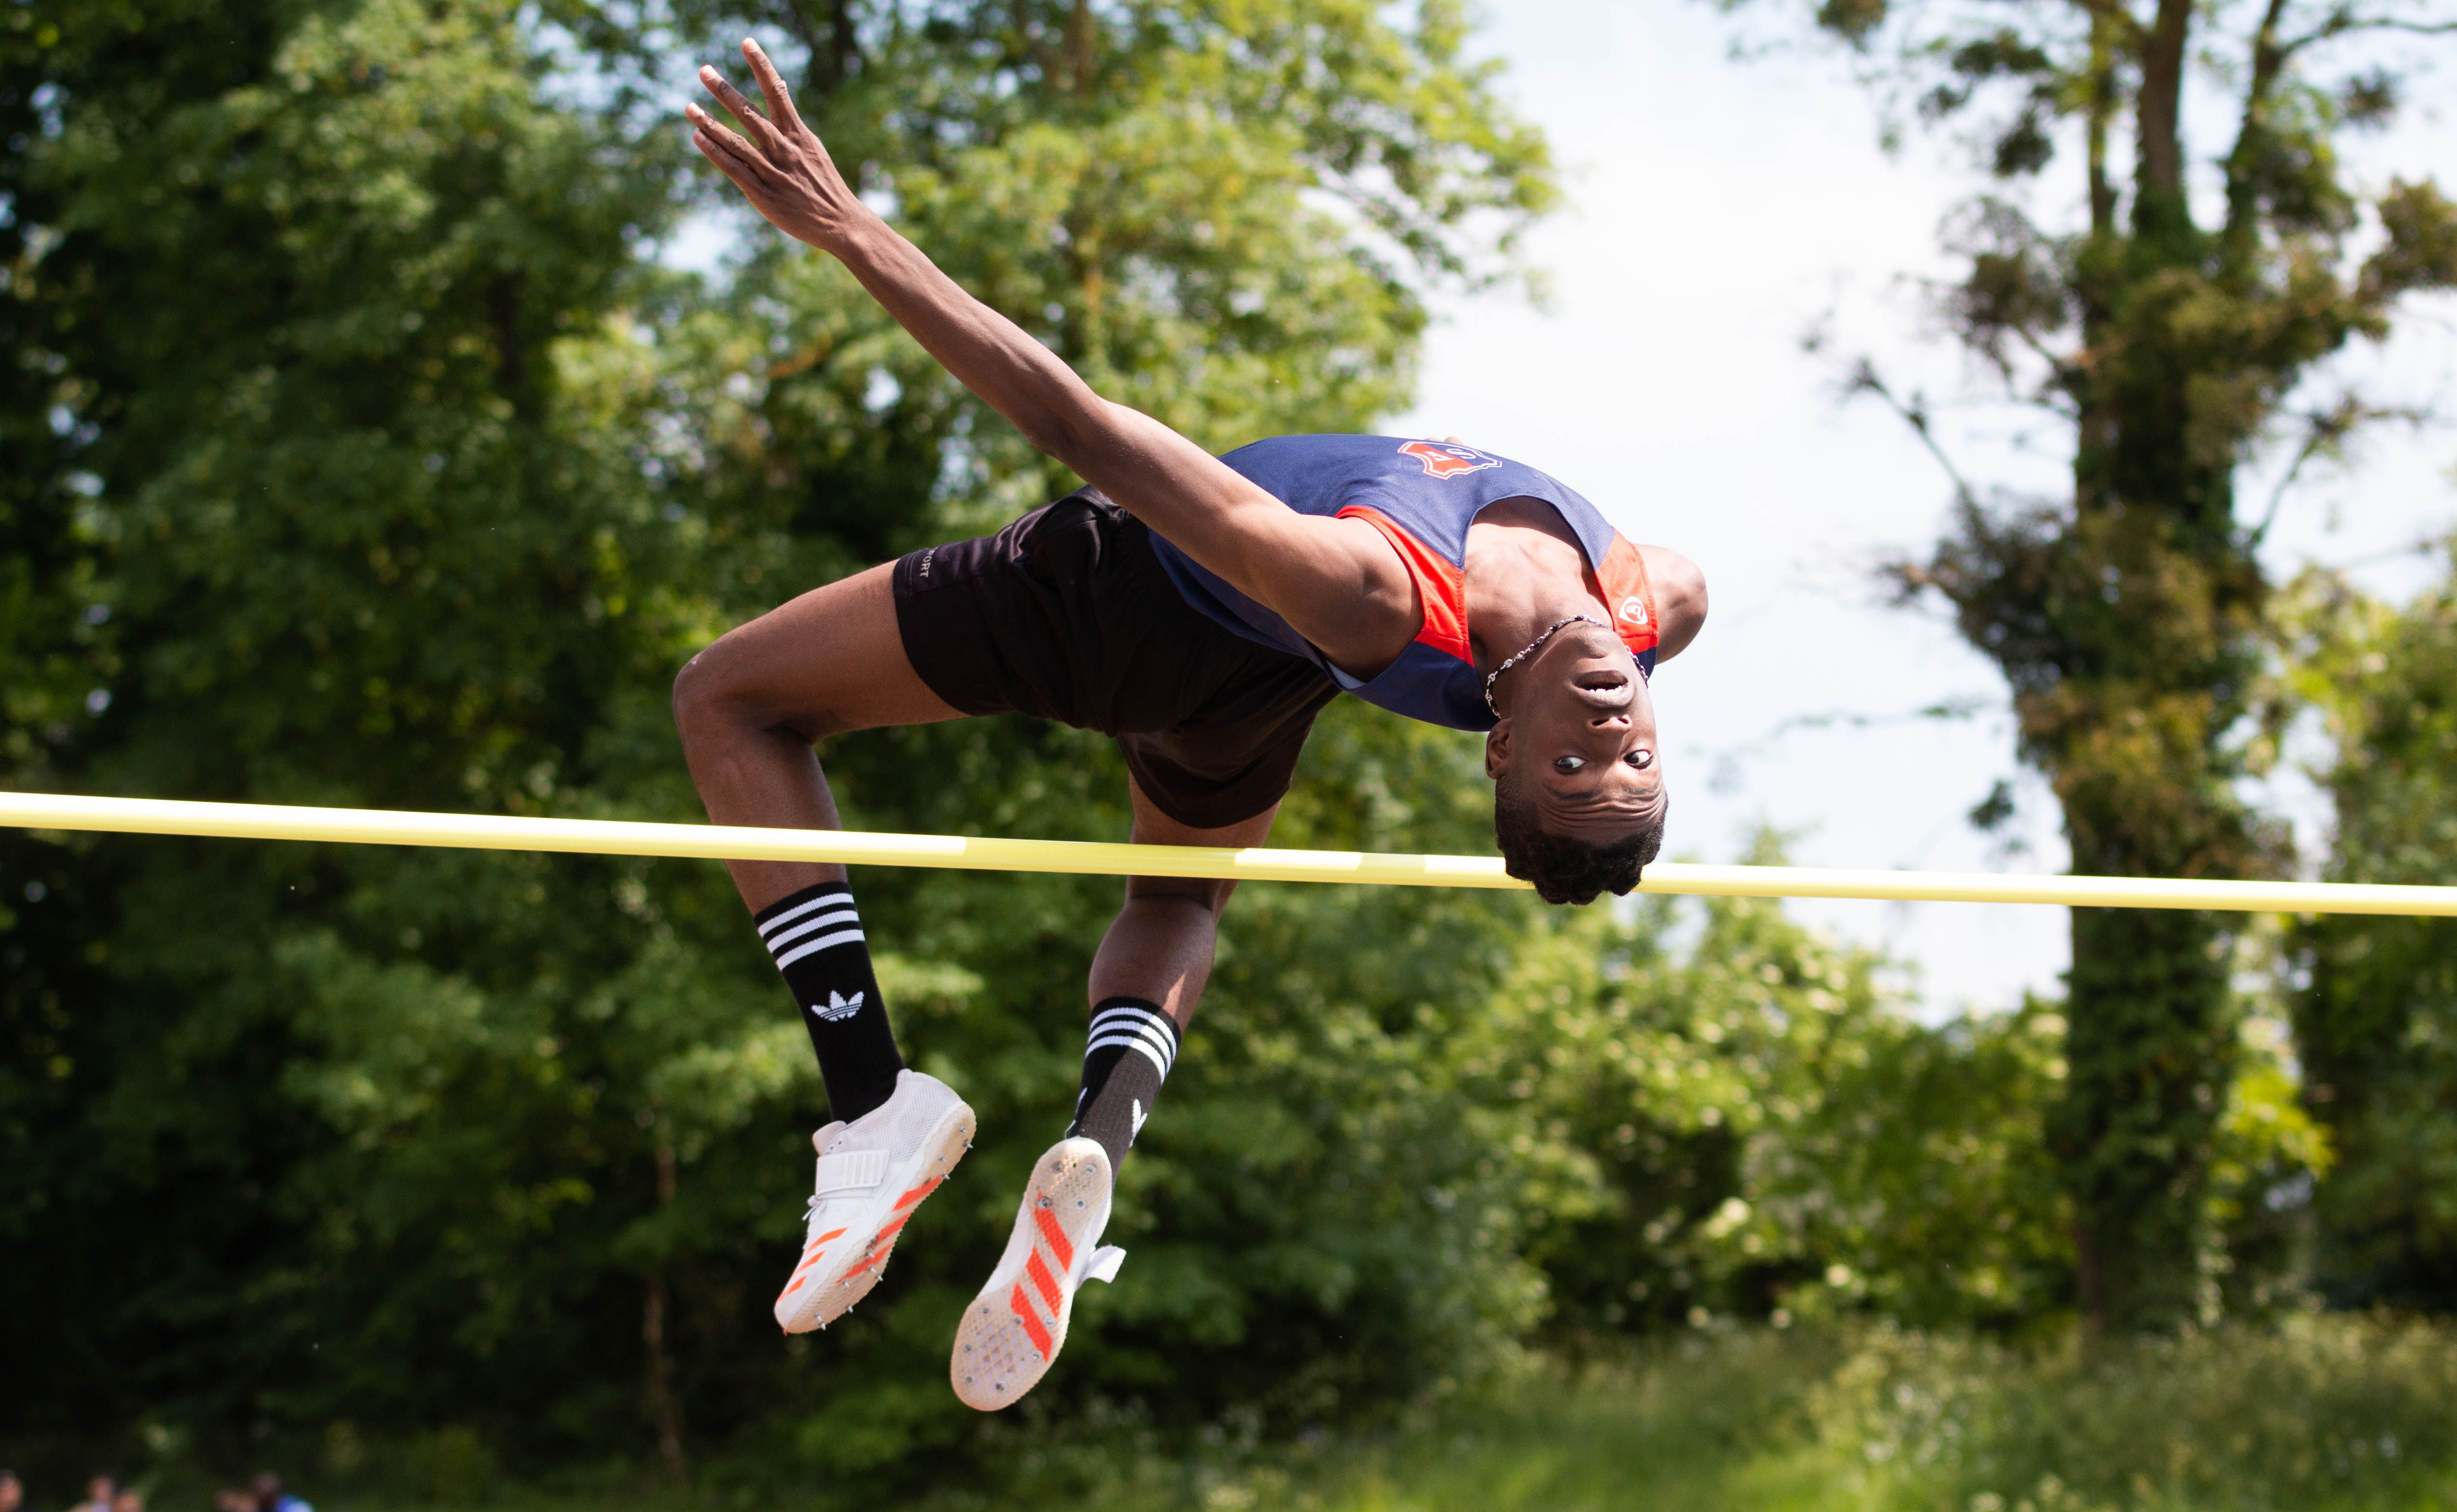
column 264, row 821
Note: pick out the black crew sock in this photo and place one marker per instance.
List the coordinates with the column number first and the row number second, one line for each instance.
column 816, row 938
column 1133, row 1043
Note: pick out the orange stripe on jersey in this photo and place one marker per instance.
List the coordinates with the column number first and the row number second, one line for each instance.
column 1032, row 1327
column 1442, row 585
column 1056, row 1237
column 1620, row 582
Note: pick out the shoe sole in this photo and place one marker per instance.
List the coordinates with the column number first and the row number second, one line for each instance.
column 829, row 1290
column 1004, row 1347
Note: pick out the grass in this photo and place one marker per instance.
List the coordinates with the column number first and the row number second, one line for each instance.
column 2320, row 1414
column 2326, row 1415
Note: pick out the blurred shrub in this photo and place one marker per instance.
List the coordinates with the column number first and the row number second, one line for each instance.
column 2324, row 1410
column 1767, row 1134
column 2351, row 1415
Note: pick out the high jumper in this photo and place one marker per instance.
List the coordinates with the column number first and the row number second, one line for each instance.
column 1201, row 610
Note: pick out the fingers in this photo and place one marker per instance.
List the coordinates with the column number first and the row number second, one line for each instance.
column 725, row 147
column 741, row 175
column 772, row 84
column 726, row 162
column 732, row 100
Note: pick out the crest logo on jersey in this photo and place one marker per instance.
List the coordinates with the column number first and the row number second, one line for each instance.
column 1633, row 612
column 1442, row 460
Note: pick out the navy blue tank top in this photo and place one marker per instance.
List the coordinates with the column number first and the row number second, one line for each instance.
column 1422, row 495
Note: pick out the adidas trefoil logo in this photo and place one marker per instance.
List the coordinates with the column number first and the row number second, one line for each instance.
column 837, row 1006
column 1140, row 1116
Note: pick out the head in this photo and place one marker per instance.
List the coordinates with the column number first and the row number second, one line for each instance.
column 266, row 1488
column 1577, row 797
column 100, row 1487
column 12, row 1491
column 127, row 1501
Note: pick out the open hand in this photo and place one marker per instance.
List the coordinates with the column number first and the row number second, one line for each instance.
column 780, row 167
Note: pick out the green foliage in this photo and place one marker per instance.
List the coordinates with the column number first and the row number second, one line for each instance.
column 1766, row 1133
column 394, row 473
column 2323, row 1412
column 2376, row 1012
column 359, row 452
column 2174, row 341
column 2328, row 1412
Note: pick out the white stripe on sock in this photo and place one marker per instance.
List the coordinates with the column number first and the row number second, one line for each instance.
column 1162, row 1047
column 1112, row 1028
column 1110, row 1017
column 830, row 901
column 1140, row 1045
column 823, row 943
column 842, row 915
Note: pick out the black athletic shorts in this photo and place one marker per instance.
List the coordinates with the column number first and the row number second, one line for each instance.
column 1068, row 615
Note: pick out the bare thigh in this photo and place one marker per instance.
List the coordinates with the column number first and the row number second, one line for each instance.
column 750, row 705
column 829, row 662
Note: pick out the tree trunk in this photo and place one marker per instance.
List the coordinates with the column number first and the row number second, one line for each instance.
column 2149, row 1050
column 663, row 1407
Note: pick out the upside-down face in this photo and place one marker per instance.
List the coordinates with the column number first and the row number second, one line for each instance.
column 1578, row 743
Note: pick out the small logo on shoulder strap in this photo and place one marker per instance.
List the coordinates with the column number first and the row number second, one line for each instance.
column 837, row 1006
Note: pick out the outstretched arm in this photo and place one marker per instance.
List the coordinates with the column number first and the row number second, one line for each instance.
column 1336, row 581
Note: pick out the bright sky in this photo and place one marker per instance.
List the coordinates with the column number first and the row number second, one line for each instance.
column 1720, row 209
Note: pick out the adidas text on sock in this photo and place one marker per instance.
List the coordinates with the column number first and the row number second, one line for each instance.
column 815, row 936
column 1131, row 1047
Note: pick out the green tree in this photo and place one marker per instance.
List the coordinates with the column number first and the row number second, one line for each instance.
column 2177, row 327
column 367, row 459
column 2376, row 1006
column 1768, row 1135
column 324, row 292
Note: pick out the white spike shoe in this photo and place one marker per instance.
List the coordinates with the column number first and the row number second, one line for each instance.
column 1012, row 1331
column 873, row 1174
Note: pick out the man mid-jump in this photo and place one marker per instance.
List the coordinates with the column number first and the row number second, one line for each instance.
column 1200, row 610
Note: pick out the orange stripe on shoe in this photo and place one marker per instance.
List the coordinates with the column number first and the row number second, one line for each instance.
column 1032, row 1327
column 832, row 1233
column 918, row 1194
column 1056, row 1237
column 1044, row 1281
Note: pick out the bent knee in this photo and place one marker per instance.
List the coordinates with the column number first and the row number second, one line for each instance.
column 716, row 692
column 731, row 688
column 698, row 693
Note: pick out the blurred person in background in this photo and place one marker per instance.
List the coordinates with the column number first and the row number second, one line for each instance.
column 12, row 1492
column 127, row 1499
column 269, row 1497
column 100, row 1489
